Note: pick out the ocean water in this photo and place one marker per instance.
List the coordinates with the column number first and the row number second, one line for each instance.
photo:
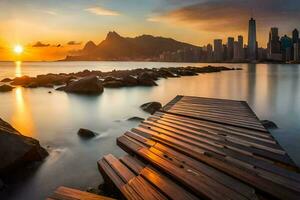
column 272, row 91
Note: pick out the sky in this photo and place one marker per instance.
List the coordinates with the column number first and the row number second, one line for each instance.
column 49, row 29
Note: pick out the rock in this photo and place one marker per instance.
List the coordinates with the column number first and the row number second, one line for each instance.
column 49, row 80
column 31, row 85
column 5, row 80
column 22, row 81
column 165, row 73
column 113, row 84
column 145, row 79
column 268, row 124
column 129, row 80
column 109, row 78
column 6, row 88
column 89, row 85
column 17, row 150
column 85, row 133
column 138, row 119
column 151, row 107
column 94, row 190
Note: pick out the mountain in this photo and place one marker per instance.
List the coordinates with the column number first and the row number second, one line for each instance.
column 116, row 47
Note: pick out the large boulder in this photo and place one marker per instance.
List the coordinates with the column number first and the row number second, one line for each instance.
column 6, row 88
column 151, row 107
column 146, row 79
column 17, row 150
column 85, row 133
column 88, row 85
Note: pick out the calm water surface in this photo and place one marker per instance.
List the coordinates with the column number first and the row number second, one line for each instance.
column 272, row 91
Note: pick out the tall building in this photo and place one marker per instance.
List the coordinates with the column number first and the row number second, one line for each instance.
column 241, row 47
column 209, row 50
column 296, row 52
column 295, row 36
column 295, row 39
column 230, row 42
column 286, row 44
column 252, row 40
column 218, row 50
column 236, row 56
column 274, row 52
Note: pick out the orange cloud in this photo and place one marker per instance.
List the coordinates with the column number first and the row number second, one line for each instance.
column 98, row 10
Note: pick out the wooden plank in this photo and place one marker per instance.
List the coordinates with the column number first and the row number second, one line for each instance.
column 161, row 182
column 217, row 140
column 145, row 190
column 64, row 193
column 238, row 172
column 231, row 155
column 218, row 116
column 200, row 184
column 123, row 172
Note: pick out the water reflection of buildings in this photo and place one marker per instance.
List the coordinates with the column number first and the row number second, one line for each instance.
column 22, row 117
column 251, row 84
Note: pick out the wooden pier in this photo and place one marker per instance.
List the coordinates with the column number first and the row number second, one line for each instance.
column 198, row 148
column 201, row 148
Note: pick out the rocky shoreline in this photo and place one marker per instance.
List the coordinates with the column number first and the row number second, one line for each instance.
column 93, row 82
column 17, row 151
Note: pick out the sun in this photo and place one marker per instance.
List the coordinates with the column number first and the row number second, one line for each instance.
column 18, row 49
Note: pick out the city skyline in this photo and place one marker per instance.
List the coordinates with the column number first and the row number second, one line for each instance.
column 69, row 25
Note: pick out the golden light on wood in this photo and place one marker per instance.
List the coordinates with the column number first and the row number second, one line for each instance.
column 18, row 49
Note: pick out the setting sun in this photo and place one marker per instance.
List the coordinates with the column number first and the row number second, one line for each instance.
column 18, row 49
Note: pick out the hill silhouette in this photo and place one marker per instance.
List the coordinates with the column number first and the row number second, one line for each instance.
column 116, row 47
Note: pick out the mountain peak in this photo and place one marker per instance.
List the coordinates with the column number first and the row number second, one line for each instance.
column 90, row 45
column 112, row 35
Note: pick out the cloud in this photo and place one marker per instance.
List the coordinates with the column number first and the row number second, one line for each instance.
column 74, row 43
column 231, row 15
column 40, row 44
column 98, row 10
column 50, row 12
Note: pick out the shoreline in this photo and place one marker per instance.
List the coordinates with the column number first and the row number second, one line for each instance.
column 80, row 83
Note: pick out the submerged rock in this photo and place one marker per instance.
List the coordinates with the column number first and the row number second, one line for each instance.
column 85, row 133
column 6, row 88
column 151, row 107
column 139, row 119
column 268, row 124
column 89, row 85
column 17, row 150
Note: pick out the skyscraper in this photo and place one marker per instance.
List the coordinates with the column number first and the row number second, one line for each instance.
column 274, row 52
column 218, row 50
column 241, row 47
column 295, row 39
column 252, row 40
column 230, row 42
column 295, row 36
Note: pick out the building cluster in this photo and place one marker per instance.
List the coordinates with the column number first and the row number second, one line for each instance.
column 279, row 49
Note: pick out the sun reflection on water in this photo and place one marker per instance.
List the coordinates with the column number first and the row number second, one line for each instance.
column 18, row 69
column 22, row 117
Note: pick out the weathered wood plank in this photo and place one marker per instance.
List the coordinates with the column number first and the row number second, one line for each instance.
column 64, row 193
column 223, row 165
